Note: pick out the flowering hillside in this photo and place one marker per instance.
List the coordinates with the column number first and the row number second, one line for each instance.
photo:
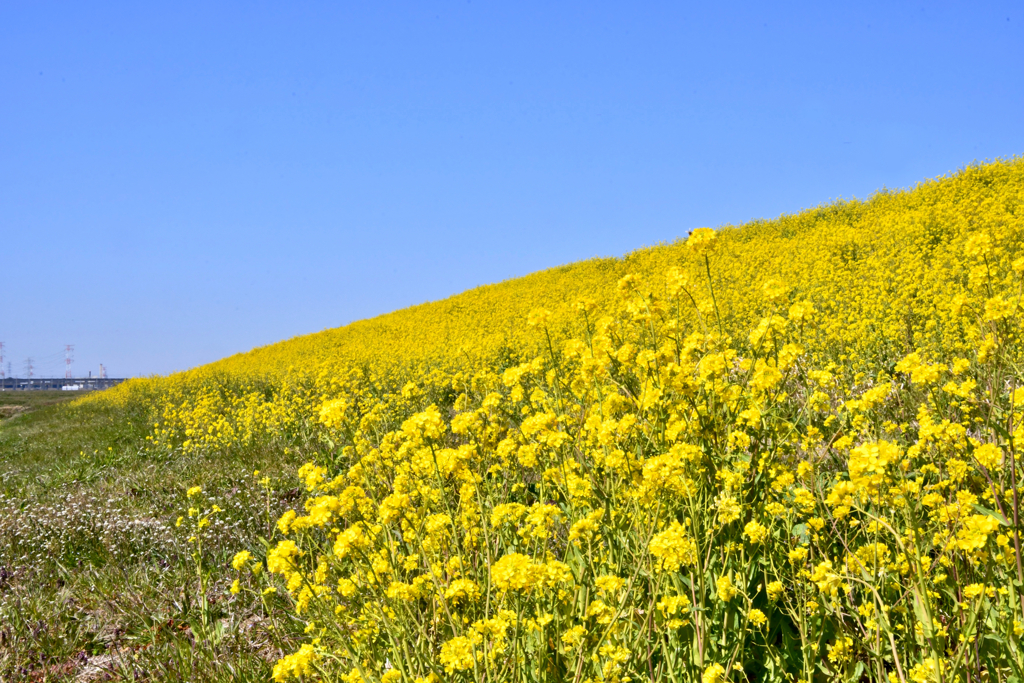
column 781, row 451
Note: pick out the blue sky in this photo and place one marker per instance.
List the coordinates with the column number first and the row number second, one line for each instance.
column 182, row 181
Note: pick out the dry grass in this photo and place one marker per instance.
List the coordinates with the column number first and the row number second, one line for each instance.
column 96, row 582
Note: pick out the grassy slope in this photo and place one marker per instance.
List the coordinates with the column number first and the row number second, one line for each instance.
column 809, row 249
column 96, row 581
column 42, row 439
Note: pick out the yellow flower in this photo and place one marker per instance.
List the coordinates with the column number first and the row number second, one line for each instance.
column 403, row 591
column 713, row 673
column 801, row 311
column 285, row 522
column 332, row 414
column 798, row 556
column 574, row 636
column 296, row 664
column 673, row 548
column 609, row 584
column 458, row 653
column 757, row 618
column 975, row 531
column 868, row 462
column 925, row 671
column 701, row 240
column 600, row 612
column 312, row 475
column 841, row 650
column 774, row 291
column 726, row 590
column 538, row 317
column 974, row 590
column 978, row 245
column 755, row 532
column 988, row 456
column 998, row 308
column 358, row 537
column 825, row 579
column 919, row 371
column 674, row 604
column 729, row 510
column 516, row 572
column 194, row 491
column 240, row 559
column 281, row 558
column 462, row 590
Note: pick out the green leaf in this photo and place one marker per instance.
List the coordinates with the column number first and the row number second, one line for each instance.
column 991, row 513
column 997, row 638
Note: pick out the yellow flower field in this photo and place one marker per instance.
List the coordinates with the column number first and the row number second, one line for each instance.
column 784, row 451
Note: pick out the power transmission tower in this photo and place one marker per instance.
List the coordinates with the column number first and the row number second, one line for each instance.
column 69, row 351
column 28, row 367
column 3, row 377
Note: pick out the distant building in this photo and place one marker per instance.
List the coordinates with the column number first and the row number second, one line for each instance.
column 58, row 383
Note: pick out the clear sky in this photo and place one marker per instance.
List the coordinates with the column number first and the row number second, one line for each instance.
column 182, row 181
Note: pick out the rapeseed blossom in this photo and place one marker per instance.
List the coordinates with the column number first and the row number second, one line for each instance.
column 648, row 468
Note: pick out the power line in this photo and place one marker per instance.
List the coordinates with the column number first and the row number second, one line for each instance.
column 49, row 365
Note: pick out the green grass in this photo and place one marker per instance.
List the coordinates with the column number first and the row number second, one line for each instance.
column 16, row 403
column 96, row 581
